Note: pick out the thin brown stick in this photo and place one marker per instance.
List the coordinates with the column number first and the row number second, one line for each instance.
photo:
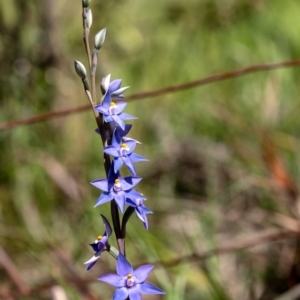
column 156, row 93
column 271, row 235
column 13, row 272
column 261, row 238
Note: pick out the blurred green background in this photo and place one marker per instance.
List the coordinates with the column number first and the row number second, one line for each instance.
column 224, row 158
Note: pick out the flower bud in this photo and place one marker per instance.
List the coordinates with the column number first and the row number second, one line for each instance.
column 86, row 3
column 89, row 18
column 99, row 39
column 80, row 69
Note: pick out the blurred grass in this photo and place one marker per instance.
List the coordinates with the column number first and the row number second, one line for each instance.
column 206, row 180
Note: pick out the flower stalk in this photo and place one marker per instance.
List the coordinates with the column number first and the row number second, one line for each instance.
column 117, row 154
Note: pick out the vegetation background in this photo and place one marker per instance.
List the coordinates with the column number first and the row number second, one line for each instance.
column 224, row 158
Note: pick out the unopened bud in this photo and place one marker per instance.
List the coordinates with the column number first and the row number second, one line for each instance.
column 80, row 69
column 99, row 39
column 89, row 18
column 86, row 3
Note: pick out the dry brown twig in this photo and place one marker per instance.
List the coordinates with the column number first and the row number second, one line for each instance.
column 13, row 272
column 156, row 93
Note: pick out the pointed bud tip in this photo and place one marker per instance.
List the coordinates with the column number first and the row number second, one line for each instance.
column 86, row 3
column 99, row 39
column 80, row 69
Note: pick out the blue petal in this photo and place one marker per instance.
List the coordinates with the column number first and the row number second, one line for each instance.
column 120, row 106
column 129, row 165
column 121, row 294
column 125, row 116
column 134, row 294
column 113, row 279
column 119, row 121
column 106, row 101
column 133, row 195
column 131, row 145
column 123, row 266
column 120, row 200
column 101, row 184
column 91, row 262
column 105, row 197
column 147, row 210
column 102, row 244
column 125, row 131
column 94, row 246
column 148, row 288
column 146, row 224
column 106, row 226
column 114, row 85
column 135, row 157
column 118, row 162
column 103, row 110
column 131, row 202
column 89, row 266
column 127, row 139
column 141, row 273
column 107, row 118
column 112, row 175
column 140, row 214
column 119, row 92
column 130, row 182
column 116, row 140
column 111, row 150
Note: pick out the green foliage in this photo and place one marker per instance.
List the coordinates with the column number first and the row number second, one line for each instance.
column 221, row 188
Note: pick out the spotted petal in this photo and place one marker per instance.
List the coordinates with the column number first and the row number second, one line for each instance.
column 141, row 273
column 101, row 184
column 113, row 279
column 111, row 150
